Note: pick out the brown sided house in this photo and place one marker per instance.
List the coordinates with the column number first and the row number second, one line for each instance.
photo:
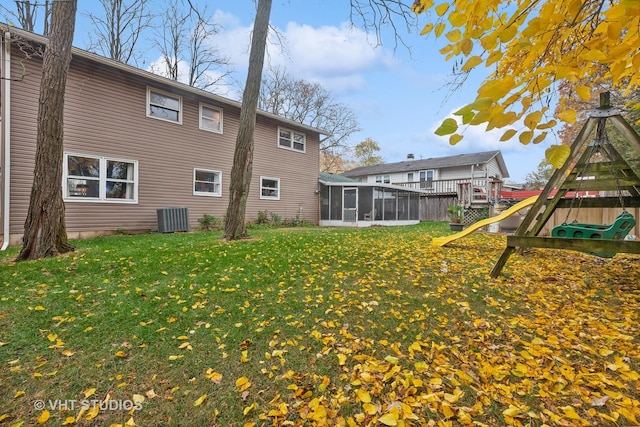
column 135, row 142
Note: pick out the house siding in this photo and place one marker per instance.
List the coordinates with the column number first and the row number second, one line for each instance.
column 454, row 172
column 397, row 177
column 494, row 168
column 105, row 115
column 457, row 172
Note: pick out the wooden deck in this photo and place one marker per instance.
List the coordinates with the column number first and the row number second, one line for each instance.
column 444, row 187
column 476, row 194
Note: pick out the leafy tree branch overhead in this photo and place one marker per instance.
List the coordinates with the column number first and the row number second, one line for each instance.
column 532, row 46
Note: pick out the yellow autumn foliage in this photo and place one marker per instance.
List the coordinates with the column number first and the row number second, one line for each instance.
column 532, row 46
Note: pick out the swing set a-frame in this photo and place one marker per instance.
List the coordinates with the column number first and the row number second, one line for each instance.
column 599, row 167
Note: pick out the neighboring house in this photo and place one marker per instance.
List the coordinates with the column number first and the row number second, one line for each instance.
column 425, row 172
column 135, row 142
column 459, row 174
column 472, row 180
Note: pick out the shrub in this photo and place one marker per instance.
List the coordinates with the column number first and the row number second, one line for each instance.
column 275, row 219
column 263, row 217
column 266, row 219
column 209, row 222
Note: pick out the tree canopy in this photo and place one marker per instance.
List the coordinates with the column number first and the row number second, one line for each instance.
column 538, row 178
column 532, row 46
column 366, row 153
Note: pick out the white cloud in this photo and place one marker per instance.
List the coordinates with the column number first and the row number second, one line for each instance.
column 335, row 57
column 330, row 50
column 225, row 19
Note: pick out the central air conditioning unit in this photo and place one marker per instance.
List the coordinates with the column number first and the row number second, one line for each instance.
column 173, row 219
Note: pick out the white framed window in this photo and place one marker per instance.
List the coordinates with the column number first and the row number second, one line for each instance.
column 426, row 178
column 410, row 177
column 210, row 118
column 387, row 179
column 100, row 179
column 207, row 182
column 378, row 179
column 269, row 188
column 164, row 106
column 292, row 140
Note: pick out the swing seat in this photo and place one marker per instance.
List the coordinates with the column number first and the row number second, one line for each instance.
column 615, row 231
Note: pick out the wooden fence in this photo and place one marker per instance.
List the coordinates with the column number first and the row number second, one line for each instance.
column 435, row 208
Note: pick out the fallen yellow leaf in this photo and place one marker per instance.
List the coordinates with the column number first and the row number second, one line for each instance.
column 199, row 400
column 392, row 359
column 92, row 412
column 342, row 359
column 389, row 419
column 247, row 409
column 570, row 412
column 243, row 383
column 363, row 396
column 43, row 418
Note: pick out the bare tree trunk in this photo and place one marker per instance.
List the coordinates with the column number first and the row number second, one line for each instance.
column 44, row 229
column 47, row 18
column 26, row 15
column 243, row 158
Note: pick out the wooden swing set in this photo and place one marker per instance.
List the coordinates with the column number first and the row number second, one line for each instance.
column 599, row 167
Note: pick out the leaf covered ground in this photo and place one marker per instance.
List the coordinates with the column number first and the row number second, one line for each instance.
column 318, row 327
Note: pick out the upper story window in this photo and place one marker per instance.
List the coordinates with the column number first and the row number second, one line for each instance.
column 426, row 175
column 93, row 178
column 269, row 188
column 210, row 118
column 386, row 179
column 292, row 140
column 410, row 177
column 207, row 182
column 378, row 179
column 164, row 106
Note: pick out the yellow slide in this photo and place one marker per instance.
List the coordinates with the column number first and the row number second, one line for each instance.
column 441, row 241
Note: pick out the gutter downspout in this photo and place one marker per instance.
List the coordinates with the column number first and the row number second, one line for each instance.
column 5, row 135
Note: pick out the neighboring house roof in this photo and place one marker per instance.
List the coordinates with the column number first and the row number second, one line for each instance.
column 154, row 77
column 431, row 163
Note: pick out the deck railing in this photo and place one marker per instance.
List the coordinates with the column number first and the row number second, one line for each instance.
column 441, row 186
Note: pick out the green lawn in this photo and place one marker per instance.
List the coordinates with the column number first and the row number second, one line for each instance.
column 317, row 326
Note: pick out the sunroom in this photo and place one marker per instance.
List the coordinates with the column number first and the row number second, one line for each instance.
column 358, row 204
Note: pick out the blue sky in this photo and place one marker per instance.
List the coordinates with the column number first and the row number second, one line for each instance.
column 399, row 97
